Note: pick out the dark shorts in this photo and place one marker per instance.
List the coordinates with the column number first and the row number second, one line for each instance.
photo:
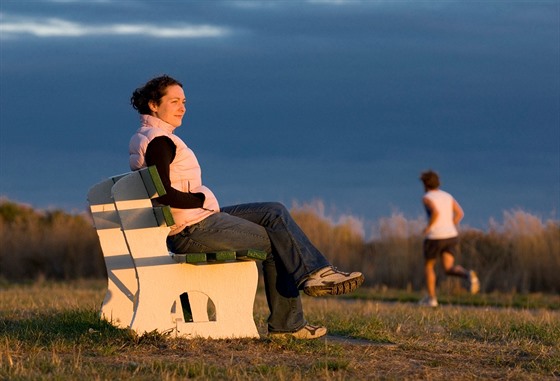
column 436, row 247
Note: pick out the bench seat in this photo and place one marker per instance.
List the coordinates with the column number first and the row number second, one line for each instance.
column 220, row 256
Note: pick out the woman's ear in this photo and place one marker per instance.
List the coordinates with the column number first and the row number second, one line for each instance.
column 153, row 106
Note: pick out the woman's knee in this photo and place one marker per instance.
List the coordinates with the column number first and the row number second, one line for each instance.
column 275, row 210
column 277, row 207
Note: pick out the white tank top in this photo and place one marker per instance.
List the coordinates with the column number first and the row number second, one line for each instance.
column 443, row 227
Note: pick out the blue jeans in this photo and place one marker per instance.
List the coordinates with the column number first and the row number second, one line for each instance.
column 268, row 227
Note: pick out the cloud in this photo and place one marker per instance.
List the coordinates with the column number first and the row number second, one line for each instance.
column 80, row 1
column 13, row 26
column 334, row 2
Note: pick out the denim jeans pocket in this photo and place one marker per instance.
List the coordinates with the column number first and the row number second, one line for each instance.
column 180, row 242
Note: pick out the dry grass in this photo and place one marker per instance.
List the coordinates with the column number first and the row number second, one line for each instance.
column 51, row 331
column 521, row 253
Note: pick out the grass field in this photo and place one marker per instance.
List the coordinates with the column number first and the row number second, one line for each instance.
column 51, row 331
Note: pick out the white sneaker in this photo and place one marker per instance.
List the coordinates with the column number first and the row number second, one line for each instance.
column 428, row 302
column 473, row 283
column 306, row 333
column 330, row 281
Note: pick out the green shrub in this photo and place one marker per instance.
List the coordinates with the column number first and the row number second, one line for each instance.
column 47, row 244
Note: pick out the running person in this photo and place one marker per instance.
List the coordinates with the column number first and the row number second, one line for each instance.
column 442, row 237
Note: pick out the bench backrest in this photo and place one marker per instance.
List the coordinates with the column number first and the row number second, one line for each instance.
column 121, row 275
column 144, row 225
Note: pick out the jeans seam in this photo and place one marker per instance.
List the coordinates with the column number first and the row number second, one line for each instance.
column 298, row 249
column 245, row 234
column 293, row 241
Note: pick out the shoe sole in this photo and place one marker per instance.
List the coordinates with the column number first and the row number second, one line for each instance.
column 475, row 287
column 294, row 335
column 345, row 287
column 289, row 336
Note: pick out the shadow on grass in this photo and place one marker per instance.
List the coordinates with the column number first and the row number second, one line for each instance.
column 73, row 326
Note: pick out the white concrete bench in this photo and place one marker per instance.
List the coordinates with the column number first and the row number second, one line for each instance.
column 208, row 295
column 122, row 284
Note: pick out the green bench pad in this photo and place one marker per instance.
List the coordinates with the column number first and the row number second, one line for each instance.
column 221, row 256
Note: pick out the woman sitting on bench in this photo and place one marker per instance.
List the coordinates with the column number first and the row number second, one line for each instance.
column 292, row 263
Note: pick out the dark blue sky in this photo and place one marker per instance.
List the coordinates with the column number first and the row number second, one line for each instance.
column 340, row 101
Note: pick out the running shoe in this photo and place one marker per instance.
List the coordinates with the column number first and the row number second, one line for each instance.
column 428, row 302
column 473, row 283
column 330, row 281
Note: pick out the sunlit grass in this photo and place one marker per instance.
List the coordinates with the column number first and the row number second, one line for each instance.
column 52, row 331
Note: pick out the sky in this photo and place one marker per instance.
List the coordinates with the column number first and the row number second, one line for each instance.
column 338, row 103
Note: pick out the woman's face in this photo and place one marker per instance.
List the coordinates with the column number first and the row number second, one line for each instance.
column 171, row 108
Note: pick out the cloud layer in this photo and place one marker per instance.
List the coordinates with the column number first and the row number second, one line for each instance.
column 344, row 101
column 13, row 26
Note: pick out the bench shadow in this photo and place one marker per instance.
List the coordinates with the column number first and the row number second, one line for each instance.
column 71, row 325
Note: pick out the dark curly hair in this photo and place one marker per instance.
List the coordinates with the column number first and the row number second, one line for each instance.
column 152, row 91
column 430, row 179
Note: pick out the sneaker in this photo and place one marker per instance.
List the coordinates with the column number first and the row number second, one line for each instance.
column 307, row 332
column 330, row 281
column 473, row 283
column 428, row 302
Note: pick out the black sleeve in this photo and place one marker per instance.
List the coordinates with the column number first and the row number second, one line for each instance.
column 161, row 152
